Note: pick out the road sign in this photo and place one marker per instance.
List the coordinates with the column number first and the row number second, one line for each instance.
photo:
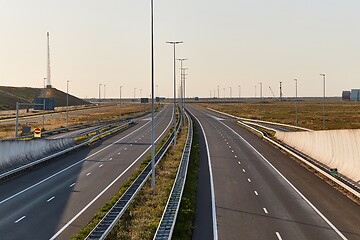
column 37, row 133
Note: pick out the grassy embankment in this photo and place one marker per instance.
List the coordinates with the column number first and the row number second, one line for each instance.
column 339, row 114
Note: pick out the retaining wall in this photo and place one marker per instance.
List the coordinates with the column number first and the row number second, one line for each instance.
column 17, row 153
column 335, row 148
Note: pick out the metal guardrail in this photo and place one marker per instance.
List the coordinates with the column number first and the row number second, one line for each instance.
column 167, row 223
column 26, row 166
column 104, row 227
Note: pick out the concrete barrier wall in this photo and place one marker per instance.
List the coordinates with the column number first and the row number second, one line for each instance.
column 17, row 153
column 335, row 148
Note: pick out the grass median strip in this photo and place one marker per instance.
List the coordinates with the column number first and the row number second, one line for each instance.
column 185, row 221
column 142, row 218
column 102, row 212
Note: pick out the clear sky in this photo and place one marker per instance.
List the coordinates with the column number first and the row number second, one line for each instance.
column 228, row 43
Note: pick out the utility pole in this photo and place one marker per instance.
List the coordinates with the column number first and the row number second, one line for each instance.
column 239, row 92
column 230, row 93
column 281, row 94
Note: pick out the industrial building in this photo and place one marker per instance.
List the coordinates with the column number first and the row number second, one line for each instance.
column 353, row 95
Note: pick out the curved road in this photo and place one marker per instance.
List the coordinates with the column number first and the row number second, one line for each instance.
column 55, row 200
column 260, row 193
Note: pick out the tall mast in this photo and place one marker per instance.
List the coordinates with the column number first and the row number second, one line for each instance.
column 48, row 78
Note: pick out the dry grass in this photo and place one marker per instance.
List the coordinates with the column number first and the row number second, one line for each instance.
column 141, row 219
column 92, row 115
column 339, row 114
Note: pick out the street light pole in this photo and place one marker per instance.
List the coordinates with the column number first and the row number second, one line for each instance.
column 230, row 93
column 261, row 100
column 67, row 104
column 239, row 92
column 323, row 101
column 104, row 93
column 99, row 92
column 296, row 106
column 181, row 87
column 120, row 104
column 174, row 43
column 152, row 99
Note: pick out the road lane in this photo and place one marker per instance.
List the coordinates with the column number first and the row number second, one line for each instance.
column 71, row 182
column 250, row 193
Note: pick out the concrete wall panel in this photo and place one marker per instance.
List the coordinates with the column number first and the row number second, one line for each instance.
column 335, row 148
column 17, row 153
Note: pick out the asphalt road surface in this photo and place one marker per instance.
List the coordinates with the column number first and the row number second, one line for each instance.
column 55, row 200
column 261, row 193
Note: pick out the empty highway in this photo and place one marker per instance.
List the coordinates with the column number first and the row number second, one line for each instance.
column 261, row 193
column 55, row 200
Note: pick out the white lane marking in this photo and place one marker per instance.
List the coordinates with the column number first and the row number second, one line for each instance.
column 142, row 135
column 239, row 162
column 130, row 145
column 88, row 174
column 232, row 151
column 110, row 159
column 69, row 167
column 249, row 180
column 72, row 185
column 20, row 219
column 278, row 235
column 101, row 165
column 265, row 210
column 125, row 149
column 235, row 156
column 256, row 193
column 118, row 153
column 243, row 170
column 50, row 199
column 108, row 186
column 229, row 146
column 291, row 185
column 214, row 222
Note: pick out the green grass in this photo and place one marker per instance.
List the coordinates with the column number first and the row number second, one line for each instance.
column 184, row 223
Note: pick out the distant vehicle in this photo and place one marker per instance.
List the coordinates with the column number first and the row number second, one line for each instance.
column 196, row 98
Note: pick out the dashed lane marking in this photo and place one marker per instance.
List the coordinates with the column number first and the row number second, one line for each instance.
column 72, row 185
column 50, row 199
column 278, row 235
column 256, row 193
column 101, row 165
column 20, row 219
column 249, row 180
column 243, row 170
column 265, row 210
column 88, row 174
